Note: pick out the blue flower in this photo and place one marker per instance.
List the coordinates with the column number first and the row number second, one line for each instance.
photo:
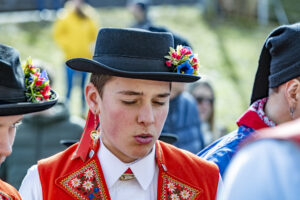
column 185, row 67
column 96, row 189
column 44, row 75
column 91, row 196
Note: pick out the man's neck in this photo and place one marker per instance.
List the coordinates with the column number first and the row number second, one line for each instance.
column 275, row 111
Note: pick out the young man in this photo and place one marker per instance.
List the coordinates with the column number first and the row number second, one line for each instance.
column 128, row 97
column 13, row 105
column 274, row 97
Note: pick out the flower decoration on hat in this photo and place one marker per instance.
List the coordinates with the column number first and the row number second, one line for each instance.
column 36, row 83
column 183, row 61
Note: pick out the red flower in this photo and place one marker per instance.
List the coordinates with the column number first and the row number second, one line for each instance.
column 169, row 63
column 47, row 88
column 37, row 74
column 195, row 66
column 174, row 55
column 185, row 51
column 38, row 98
column 195, row 60
column 46, row 96
column 39, row 81
column 178, row 57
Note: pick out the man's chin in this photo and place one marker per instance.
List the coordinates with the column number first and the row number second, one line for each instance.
column 2, row 161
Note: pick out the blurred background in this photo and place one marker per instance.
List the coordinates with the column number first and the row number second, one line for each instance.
column 227, row 35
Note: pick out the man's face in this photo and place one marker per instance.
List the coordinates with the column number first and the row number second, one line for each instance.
column 132, row 115
column 8, row 126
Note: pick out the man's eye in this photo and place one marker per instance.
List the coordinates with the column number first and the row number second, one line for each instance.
column 15, row 125
column 129, row 102
column 159, row 103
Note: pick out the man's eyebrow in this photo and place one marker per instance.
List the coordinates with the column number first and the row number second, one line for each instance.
column 163, row 95
column 130, row 92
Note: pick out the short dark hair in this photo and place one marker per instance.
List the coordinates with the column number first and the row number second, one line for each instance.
column 99, row 80
column 142, row 6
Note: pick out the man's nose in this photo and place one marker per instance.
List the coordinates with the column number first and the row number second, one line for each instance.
column 5, row 145
column 146, row 115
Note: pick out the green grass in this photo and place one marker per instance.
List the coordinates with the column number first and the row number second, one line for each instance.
column 228, row 51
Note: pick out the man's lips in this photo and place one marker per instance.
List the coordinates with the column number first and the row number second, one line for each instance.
column 144, row 138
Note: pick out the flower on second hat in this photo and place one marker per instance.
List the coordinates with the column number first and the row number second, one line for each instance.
column 183, row 61
column 37, row 83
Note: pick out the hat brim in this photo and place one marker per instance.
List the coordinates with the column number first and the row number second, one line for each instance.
column 87, row 65
column 168, row 138
column 21, row 108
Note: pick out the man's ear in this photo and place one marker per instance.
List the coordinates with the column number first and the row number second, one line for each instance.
column 92, row 98
column 292, row 92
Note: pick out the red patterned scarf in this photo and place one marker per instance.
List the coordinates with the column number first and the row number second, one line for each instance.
column 255, row 117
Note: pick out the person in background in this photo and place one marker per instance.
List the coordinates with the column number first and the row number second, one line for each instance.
column 274, row 97
column 140, row 13
column 39, row 136
column 75, row 33
column 183, row 120
column 119, row 155
column 15, row 101
column 275, row 156
column 203, row 92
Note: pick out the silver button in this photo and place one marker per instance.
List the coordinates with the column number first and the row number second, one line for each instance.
column 91, row 153
column 164, row 167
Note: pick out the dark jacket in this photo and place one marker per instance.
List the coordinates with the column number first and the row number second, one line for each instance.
column 39, row 137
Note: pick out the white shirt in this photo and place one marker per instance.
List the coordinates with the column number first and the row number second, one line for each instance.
column 145, row 170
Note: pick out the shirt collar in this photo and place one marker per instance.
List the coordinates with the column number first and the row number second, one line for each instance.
column 143, row 169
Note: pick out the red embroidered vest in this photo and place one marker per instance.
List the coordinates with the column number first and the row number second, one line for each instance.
column 76, row 173
column 8, row 192
column 180, row 173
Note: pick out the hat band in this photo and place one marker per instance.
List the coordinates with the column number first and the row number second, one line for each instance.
column 11, row 95
column 132, row 64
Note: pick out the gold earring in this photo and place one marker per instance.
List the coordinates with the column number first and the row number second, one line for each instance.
column 95, row 135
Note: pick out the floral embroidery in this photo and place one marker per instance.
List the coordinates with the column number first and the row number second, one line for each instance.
column 174, row 197
column 4, row 196
column 184, row 194
column 89, row 174
column 85, row 183
column 75, row 182
column 171, row 187
column 175, row 190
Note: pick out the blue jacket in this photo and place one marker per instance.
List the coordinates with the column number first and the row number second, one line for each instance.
column 184, row 122
column 222, row 150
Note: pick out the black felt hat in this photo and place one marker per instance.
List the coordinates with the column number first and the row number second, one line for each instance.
column 13, row 100
column 131, row 53
column 279, row 60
